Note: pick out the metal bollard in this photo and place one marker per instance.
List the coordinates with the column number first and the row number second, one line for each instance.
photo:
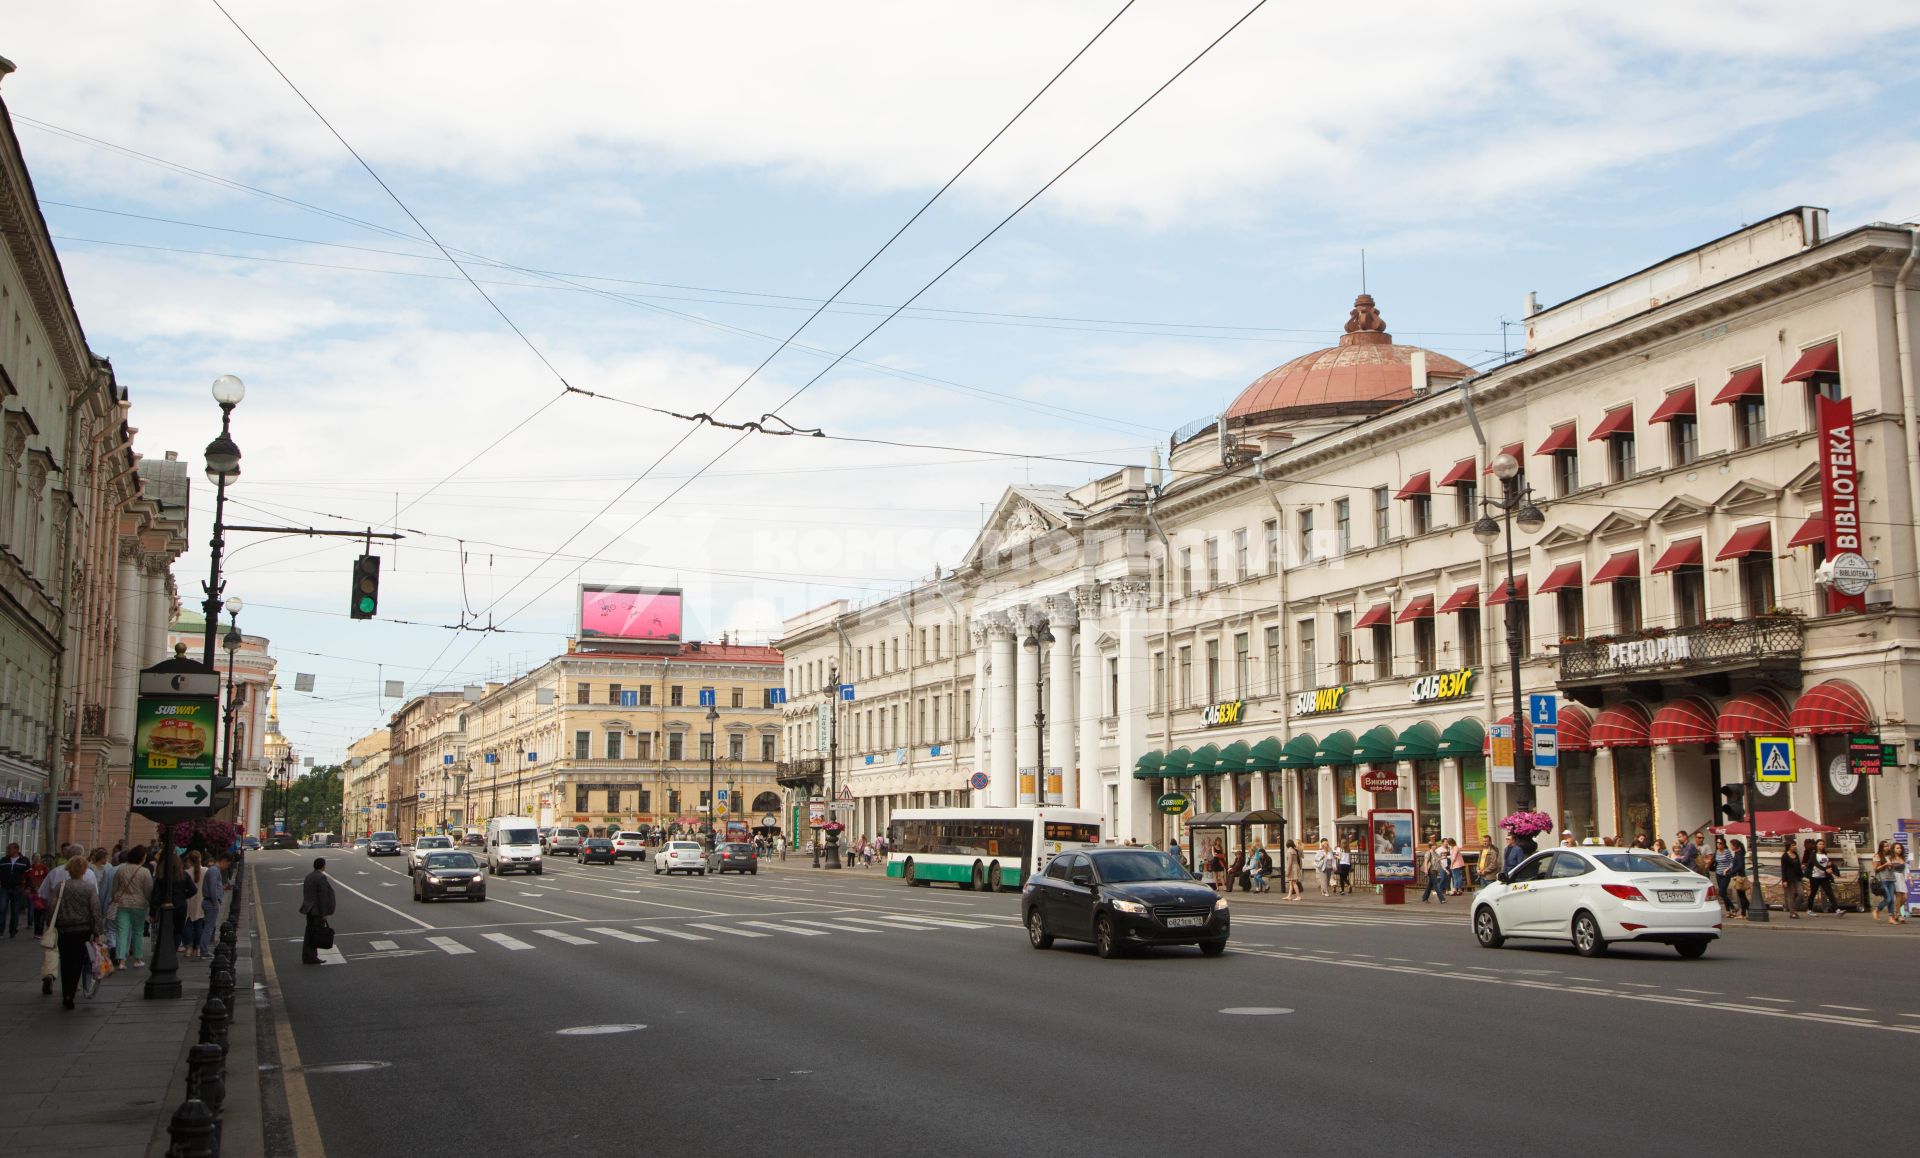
column 220, row 984
column 229, row 935
column 191, row 1131
column 213, row 1022
column 207, row 1076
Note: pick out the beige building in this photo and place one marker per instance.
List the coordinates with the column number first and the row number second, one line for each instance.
column 422, row 734
column 364, row 795
column 1296, row 614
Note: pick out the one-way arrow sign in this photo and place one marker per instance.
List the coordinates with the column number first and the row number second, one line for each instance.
column 197, row 794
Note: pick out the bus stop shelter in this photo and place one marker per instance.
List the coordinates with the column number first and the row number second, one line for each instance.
column 1232, row 827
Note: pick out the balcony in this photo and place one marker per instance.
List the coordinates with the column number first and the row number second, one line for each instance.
column 799, row 773
column 1767, row 643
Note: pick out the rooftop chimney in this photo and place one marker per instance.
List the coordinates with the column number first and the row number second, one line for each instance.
column 1531, row 305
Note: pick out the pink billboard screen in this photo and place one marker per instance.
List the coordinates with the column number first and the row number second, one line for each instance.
column 643, row 613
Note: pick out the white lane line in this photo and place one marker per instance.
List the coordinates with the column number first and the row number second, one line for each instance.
column 537, row 909
column 620, row 934
column 448, row 945
column 726, row 929
column 566, row 938
column 1638, row 985
column 331, row 956
column 1409, row 961
column 1910, row 1015
column 831, row 925
column 786, row 928
column 1775, row 1000
column 384, row 946
column 666, row 932
column 391, row 884
column 1848, row 1008
column 947, row 922
column 1702, row 992
column 908, row 925
column 505, row 941
column 383, row 904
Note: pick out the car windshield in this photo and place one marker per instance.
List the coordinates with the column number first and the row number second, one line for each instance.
column 451, row 860
column 1144, row 865
column 519, row 836
column 386, row 836
column 629, row 836
column 1639, row 862
column 434, row 842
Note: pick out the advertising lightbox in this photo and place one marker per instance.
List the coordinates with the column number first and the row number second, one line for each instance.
column 646, row 614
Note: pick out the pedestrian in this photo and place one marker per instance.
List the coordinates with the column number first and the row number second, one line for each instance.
column 1883, row 881
column 76, row 921
column 1237, row 872
column 1566, row 838
column 1489, row 865
column 1738, row 885
column 213, row 891
column 1216, row 866
column 1639, row 841
column 1457, row 866
column 105, row 869
column 192, row 921
column 1437, row 871
column 1685, row 851
column 1819, row 868
column 1660, row 846
column 1511, row 858
column 15, row 868
column 1723, row 873
column 132, row 895
column 1345, row 855
column 1173, row 850
column 1790, row 874
column 316, row 901
column 1328, row 865
column 37, row 881
column 1900, row 879
column 1292, row 865
column 119, row 851
column 171, row 891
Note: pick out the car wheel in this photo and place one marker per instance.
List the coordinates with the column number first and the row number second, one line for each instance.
column 1486, row 928
column 993, row 877
column 1587, row 940
column 1693, row 949
column 906, row 874
column 754, row 871
column 978, row 880
column 1106, row 941
column 656, row 868
column 1037, row 934
column 1213, row 948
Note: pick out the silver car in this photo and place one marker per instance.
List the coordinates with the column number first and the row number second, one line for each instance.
column 565, row 840
column 425, row 845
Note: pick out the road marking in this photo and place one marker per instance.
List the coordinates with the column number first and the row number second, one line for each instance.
column 620, row 934
column 505, row 941
column 1848, row 1008
column 907, row 925
column 1702, row 992
column 1775, row 1000
column 831, row 925
column 1638, row 985
column 1402, row 960
column 537, row 909
column 390, row 884
column 383, row 945
column 1910, row 1015
column 389, row 908
column 1256, row 1010
column 786, row 928
column 666, row 932
column 726, row 929
column 566, row 938
column 331, row 956
column 448, row 945
column 948, row 922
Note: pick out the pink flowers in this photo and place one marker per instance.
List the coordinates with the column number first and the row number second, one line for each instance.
column 1528, row 823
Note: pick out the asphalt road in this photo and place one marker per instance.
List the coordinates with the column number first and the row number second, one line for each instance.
column 802, row 1013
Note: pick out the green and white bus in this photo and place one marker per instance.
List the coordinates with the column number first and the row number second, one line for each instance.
column 983, row 848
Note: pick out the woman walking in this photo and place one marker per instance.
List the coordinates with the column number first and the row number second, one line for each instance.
column 132, row 891
column 1819, row 868
column 1327, row 864
column 1723, row 873
column 1738, row 886
column 1883, row 881
column 1293, row 865
column 1345, row 856
column 76, row 922
column 193, row 922
column 1900, row 878
column 1790, row 875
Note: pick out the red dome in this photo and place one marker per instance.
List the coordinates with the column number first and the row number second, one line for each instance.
column 1365, row 374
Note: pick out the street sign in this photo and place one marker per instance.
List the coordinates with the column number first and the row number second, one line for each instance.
column 844, row 806
column 776, row 695
column 846, row 692
column 1173, row 803
column 68, row 802
column 845, row 794
column 447, row 759
column 978, row 781
column 1774, row 760
column 1543, row 710
column 708, row 698
column 1546, row 747
column 724, row 795
column 1500, row 747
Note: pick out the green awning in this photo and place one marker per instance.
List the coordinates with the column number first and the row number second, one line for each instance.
column 1179, row 763
column 1419, row 742
column 1265, row 756
column 1462, row 738
column 1337, row 748
column 1206, row 760
column 1152, row 766
column 1375, row 746
column 1234, row 757
column 1299, row 751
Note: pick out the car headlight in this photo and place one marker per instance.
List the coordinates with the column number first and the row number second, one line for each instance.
column 1220, row 906
column 1134, row 907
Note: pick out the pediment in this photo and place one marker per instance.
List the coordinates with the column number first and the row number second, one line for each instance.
column 1806, row 484
column 1681, row 509
column 1566, row 534
column 1620, row 523
column 1022, row 516
column 1108, row 641
column 1748, row 493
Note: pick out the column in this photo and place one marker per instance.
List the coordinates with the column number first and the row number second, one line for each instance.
column 1061, row 698
column 1666, row 800
column 1083, row 773
column 129, row 639
column 154, row 622
column 1026, row 701
column 1004, row 783
column 1329, row 803
column 1131, row 603
column 1452, row 813
column 1606, row 812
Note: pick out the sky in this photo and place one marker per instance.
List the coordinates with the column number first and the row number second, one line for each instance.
column 644, row 200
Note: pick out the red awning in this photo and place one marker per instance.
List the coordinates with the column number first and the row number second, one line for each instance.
column 1565, row 575
column 1464, row 599
column 1562, row 439
column 1755, row 538
column 1416, row 486
column 1679, row 404
column 1684, row 721
column 1462, row 472
column 1755, row 713
column 1378, row 614
column 1517, row 449
column 1625, row 725
column 1680, row 553
column 1745, row 383
column 1814, row 530
column 1833, row 706
column 1821, row 359
column 1786, row 822
column 1420, row 608
column 1499, row 592
column 1619, row 420
column 1621, row 565
column 1576, row 730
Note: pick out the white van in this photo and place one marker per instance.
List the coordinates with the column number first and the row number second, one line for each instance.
column 513, row 845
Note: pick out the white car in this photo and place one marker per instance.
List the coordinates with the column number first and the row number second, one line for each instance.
column 1594, row 895
column 677, row 856
column 629, row 844
column 424, row 845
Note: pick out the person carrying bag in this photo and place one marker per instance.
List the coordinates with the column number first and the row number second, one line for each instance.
column 316, row 901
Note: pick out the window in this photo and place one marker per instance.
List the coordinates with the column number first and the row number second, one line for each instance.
column 924, row 657
column 766, row 749
column 613, row 693
column 706, row 745
column 1626, row 605
column 643, row 750
column 1185, row 676
column 1566, row 472
column 580, row 797
column 676, row 745
column 1186, row 570
column 1213, row 563
column 1343, row 525
column 1309, row 665
column 1343, row 647
column 1756, row 582
column 1306, row 535
column 1524, row 624
column 673, row 800
column 736, row 746
column 1213, row 671
column 1423, row 643
column 583, row 693
column 613, row 799
column 646, row 696
column 1159, row 683
column 1419, row 514
column 1683, row 438
column 676, row 696
column 1382, row 651
column 1570, row 603
column 1749, row 421
column 739, row 697
column 1242, row 665
column 1466, row 502
column 1690, row 596
column 583, row 745
column 936, row 733
column 1242, row 555
column 615, row 747
column 1468, row 619
column 1273, row 546
column 1620, row 466
column 1273, row 660
column 966, row 713
column 1382, row 504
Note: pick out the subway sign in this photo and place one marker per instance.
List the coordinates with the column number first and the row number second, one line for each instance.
column 1220, row 715
column 1441, row 685
column 1319, row 701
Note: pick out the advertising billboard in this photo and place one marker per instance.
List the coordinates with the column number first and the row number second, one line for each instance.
column 174, row 751
column 647, row 614
column 1390, row 832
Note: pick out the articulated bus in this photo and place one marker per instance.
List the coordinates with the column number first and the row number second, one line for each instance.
column 983, row 848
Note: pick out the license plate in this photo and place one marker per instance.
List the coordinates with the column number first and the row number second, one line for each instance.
column 1679, row 895
column 456, row 888
column 1185, row 922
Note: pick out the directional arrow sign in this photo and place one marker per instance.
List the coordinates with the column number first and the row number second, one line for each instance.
column 197, row 794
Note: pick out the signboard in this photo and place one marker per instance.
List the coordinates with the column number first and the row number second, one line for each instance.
column 1173, row 803
column 67, row 802
column 708, row 698
column 1391, row 843
column 1500, row 749
column 648, row 614
column 978, row 781
column 816, row 813
column 769, row 821
column 1380, row 780
column 1774, row 760
column 823, row 723
column 1222, row 714
column 1661, row 649
column 1441, row 685
column 1863, row 753
column 1546, row 750
column 1473, row 803
column 1543, row 710
column 174, row 751
column 1840, row 498
column 1319, row 701
column 1029, row 786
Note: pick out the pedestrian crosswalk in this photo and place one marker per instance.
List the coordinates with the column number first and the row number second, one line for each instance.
column 1324, row 919
column 457, row 943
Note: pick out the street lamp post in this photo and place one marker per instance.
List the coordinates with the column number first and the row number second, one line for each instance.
column 1037, row 641
column 713, row 714
column 1516, row 505
column 232, row 641
column 833, row 767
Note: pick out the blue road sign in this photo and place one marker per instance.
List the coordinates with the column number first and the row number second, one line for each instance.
column 846, row 691
column 708, row 698
column 1546, row 746
column 1543, row 711
column 776, row 695
column 446, row 759
column 492, row 758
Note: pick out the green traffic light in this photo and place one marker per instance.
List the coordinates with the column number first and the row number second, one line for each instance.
column 366, row 604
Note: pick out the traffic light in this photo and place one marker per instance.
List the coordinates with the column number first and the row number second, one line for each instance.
column 222, row 796
column 366, row 587
column 1735, row 807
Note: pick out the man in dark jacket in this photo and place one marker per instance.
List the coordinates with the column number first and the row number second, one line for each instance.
column 316, row 901
column 1511, row 859
column 13, row 890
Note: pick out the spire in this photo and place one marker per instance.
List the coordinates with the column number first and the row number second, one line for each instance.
column 1365, row 326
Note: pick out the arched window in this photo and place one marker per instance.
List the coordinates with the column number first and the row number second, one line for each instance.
column 767, row 802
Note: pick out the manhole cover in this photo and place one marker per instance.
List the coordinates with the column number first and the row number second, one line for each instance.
column 346, row 1067
column 593, row 1030
column 1256, row 1010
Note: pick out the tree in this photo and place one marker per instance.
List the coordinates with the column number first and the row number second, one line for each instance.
column 313, row 801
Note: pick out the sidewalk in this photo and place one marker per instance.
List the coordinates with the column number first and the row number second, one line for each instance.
column 105, row 1078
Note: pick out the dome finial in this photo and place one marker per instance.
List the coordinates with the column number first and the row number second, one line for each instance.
column 1365, row 318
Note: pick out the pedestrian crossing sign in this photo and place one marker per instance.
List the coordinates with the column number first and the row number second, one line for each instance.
column 1773, row 760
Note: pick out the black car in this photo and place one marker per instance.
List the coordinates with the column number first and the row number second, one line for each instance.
column 250, row 843
column 283, row 840
column 1120, row 898
column 455, row 875
column 597, row 848
column 734, row 857
column 383, row 844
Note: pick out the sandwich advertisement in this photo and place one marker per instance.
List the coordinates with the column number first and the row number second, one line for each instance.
column 174, row 751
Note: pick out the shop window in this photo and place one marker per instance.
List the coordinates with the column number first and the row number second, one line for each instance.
column 1344, row 797
column 1309, row 665
column 1342, row 646
column 1756, row 582
column 1468, row 620
column 1382, row 651
column 1571, row 605
column 1626, row 605
column 1620, row 461
column 1343, row 524
column 1844, row 797
column 1309, row 805
column 1382, row 505
column 1749, row 422
column 1426, row 798
column 1690, row 596
column 1683, row 438
column 1633, row 794
column 1423, row 643
column 1578, row 804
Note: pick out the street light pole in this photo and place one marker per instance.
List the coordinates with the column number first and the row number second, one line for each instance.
column 1515, row 504
column 233, row 642
column 713, row 714
column 833, row 766
column 1037, row 642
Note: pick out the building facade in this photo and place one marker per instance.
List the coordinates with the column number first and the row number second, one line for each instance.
column 1297, row 616
column 364, row 795
column 420, row 734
